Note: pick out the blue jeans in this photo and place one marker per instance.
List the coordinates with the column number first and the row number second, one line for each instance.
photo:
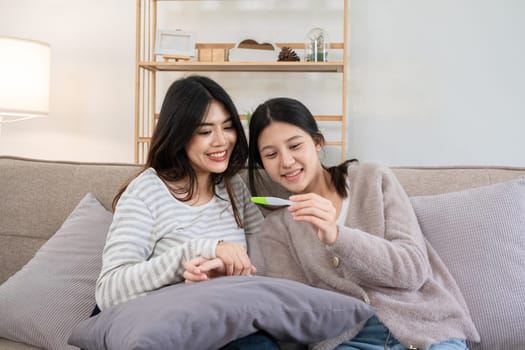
column 375, row 336
column 255, row 341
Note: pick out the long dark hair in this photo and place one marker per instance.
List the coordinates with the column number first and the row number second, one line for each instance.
column 291, row 111
column 183, row 110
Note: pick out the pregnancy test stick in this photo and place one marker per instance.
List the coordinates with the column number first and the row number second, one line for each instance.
column 271, row 201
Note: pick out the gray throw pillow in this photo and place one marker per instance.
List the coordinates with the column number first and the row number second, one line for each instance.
column 40, row 304
column 480, row 236
column 208, row 315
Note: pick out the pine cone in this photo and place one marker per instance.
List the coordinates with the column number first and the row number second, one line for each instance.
column 288, row 54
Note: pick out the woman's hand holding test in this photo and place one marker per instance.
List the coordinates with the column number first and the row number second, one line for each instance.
column 319, row 212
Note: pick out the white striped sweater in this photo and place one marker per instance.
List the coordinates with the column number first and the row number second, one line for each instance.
column 153, row 234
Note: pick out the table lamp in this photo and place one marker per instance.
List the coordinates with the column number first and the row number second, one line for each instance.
column 24, row 79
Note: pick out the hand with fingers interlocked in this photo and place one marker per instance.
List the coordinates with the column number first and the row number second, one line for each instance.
column 231, row 260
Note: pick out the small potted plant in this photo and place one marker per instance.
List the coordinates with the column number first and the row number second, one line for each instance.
column 316, row 45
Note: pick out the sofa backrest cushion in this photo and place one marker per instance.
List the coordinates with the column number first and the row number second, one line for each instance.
column 422, row 181
column 37, row 196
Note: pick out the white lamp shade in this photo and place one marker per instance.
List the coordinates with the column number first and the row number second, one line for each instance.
column 24, row 79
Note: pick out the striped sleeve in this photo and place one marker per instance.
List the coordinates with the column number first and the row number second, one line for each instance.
column 128, row 268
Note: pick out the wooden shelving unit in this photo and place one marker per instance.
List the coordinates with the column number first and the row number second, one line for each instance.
column 334, row 67
column 147, row 68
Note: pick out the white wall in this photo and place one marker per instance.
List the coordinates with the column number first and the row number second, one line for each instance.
column 432, row 81
column 438, row 82
column 92, row 79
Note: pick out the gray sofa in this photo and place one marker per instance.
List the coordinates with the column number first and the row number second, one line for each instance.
column 37, row 196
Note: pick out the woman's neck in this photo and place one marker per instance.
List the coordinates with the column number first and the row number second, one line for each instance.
column 202, row 190
column 324, row 187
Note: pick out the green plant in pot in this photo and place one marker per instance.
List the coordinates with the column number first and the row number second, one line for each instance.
column 317, row 45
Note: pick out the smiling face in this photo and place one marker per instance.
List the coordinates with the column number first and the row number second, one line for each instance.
column 210, row 147
column 290, row 157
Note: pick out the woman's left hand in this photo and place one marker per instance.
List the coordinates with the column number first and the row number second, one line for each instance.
column 201, row 269
column 318, row 211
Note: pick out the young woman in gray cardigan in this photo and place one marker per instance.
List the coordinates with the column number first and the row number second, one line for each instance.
column 352, row 229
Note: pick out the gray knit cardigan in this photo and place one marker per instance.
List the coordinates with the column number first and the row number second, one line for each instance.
column 383, row 256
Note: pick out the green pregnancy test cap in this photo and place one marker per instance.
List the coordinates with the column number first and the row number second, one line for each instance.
column 259, row 200
column 271, row 201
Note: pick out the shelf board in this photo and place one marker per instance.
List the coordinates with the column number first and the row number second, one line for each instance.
column 295, row 46
column 319, row 118
column 322, row 67
column 147, row 140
